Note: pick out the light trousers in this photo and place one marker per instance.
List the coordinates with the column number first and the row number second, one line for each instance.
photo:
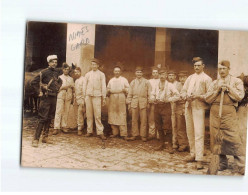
column 136, row 115
column 93, row 110
column 61, row 114
column 151, row 121
column 195, row 127
column 80, row 113
column 122, row 129
column 174, row 124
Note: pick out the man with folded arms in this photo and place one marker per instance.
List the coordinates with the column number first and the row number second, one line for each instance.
column 64, row 100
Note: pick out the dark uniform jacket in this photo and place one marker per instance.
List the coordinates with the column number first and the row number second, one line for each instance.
column 48, row 77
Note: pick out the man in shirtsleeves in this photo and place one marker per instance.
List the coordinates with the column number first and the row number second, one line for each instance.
column 172, row 79
column 117, row 89
column 151, row 121
column 233, row 93
column 49, row 82
column 162, row 96
column 194, row 91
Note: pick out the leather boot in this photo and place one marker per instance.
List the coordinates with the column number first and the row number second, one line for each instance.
column 160, row 147
column 80, row 132
column 182, row 148
column 46, row 132
column 131, row 138
column 199, row 165
column 35, row 143
column 103, row 137
column 144, row 139
column 38, row 131
column 46, row 140
column 170, row 149
column 56, row 131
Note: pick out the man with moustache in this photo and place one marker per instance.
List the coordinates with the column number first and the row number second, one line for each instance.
column 194, row 91
column 163, row 94
column 49, row 83
column 137, row 100
column 180, row 114
column 154, row 82
column 233, row 90
column 80, row 99
column 117, row 90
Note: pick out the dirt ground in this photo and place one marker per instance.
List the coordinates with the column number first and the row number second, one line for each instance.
column 77, row 152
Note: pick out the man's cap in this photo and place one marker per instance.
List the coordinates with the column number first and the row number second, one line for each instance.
column 95, row 60
column 196, row 59
column 154, row 68
column 51, row 57
column 139, row 68
column 171, row 72
column 183, row 73
column 118, row 65
column 162, row 70
column 225, row 63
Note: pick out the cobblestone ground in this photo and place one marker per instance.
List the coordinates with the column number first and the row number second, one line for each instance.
column 78, row 152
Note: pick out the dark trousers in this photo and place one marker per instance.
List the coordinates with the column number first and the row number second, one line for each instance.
column 181, row 130
column 47, row 110
column 238, row 161
column 162, row 115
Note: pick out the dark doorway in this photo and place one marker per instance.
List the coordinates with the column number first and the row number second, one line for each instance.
column 43, row 39
column 187, row 43
column 132, row 46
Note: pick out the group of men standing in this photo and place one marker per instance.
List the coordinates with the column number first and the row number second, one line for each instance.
column 157, row 105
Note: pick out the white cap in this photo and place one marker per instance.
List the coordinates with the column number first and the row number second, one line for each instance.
column 51, row 57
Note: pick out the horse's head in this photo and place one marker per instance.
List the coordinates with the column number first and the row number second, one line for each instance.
column 244, row 78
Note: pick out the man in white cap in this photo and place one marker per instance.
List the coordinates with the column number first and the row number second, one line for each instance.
column 95, row 97
column 194, row 91
column 49, row 83
column 231, row 144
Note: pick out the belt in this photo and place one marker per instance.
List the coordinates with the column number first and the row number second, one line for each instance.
column 52, row 93
column 162, row 103
column 218, row 104
column 117, row 92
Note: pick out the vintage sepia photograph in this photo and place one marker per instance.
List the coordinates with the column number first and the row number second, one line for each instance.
column 134, row 98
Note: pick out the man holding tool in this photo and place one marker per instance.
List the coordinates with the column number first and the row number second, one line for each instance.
column 224, row 95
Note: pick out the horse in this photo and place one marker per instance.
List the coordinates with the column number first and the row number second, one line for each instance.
column 31, row 93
